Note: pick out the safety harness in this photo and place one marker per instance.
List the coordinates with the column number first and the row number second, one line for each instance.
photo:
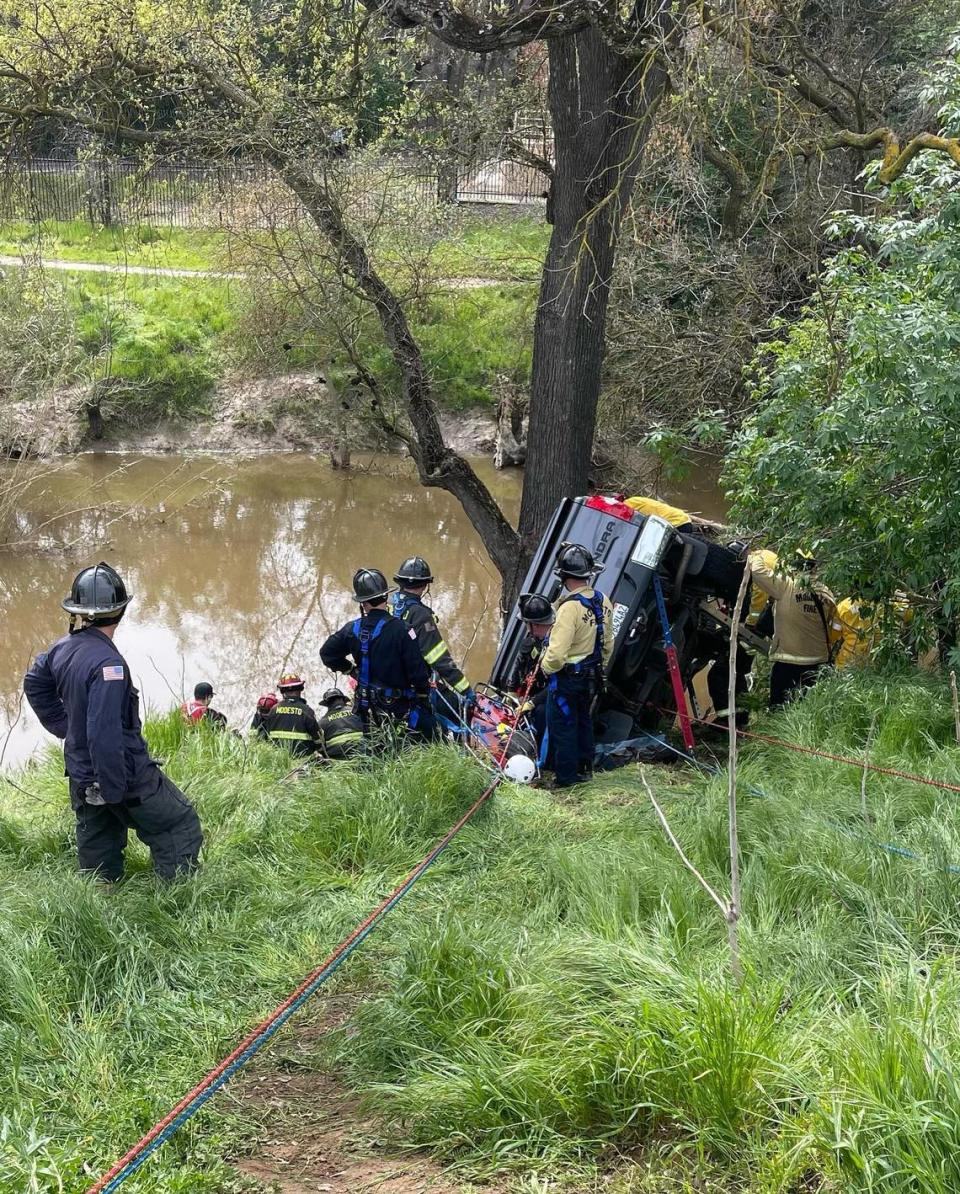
column 367, row 693
column 594, row 660
column 593, row 663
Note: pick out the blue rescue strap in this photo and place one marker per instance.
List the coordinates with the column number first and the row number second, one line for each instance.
column 400, row 601
column 364, row 687
column 366, row 637
column 595, row 658
column 544, row 749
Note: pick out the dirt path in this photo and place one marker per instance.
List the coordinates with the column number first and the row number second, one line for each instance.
column 161, row 271
column 110, row 267
column 316, row 1138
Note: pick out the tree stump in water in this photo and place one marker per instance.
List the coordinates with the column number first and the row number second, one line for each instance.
column 510, row 449
column 94, row 417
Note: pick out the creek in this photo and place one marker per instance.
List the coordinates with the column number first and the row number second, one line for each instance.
column 240, row 568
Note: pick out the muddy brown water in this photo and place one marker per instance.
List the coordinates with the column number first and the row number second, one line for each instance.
column 239, row 569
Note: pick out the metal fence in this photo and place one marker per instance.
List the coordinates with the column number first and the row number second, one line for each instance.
column 112, row 191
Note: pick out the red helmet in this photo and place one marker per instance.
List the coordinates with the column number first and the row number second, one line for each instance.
column 266, row 702
column 289, row 680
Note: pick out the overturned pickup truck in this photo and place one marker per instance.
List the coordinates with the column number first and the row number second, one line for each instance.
column 699, row 580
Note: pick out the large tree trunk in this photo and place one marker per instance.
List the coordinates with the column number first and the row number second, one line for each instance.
column 602, row 107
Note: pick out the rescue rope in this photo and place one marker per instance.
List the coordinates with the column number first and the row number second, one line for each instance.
column 195, row 1099
column 889, row 847
column 860, row 764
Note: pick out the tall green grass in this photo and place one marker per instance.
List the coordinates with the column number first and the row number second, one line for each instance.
column 112, row 1004
column 555, row 991
column 158, row 341
column 589, row 1002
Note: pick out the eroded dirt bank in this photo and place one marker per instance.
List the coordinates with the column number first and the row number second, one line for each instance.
column 292, row 412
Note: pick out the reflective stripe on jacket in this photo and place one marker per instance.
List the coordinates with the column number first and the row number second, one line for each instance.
column 802, row 614
column 436, row 654
column 292, row 723
column 340, row 728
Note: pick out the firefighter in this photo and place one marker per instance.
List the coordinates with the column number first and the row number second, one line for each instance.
column 266, row 703
column 715, row 646
column 803, row 640
column 679, row 519
column 382, row 654
column 198, row 710
column 341, row 730
column 291, row 722
column 859, row 627
column 574, row 662
column 453, row 691
column 81, row 691
column 536, row 613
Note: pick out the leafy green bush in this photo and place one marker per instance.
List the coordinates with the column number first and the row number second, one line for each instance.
column 855, row 443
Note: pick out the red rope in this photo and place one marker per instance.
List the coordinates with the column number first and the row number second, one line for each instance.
column 825, row 754
column 860, row 763
column 264, row 1024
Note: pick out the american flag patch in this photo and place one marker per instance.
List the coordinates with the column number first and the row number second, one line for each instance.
column 114, row 672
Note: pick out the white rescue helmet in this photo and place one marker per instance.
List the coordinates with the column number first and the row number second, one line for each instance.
column 520, row 769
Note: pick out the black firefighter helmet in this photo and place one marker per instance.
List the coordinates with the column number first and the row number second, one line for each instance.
column 414, row 571
column 369, row 584
column 573, row 559
column 333, row 698
column 98, row 594
column 535, row 608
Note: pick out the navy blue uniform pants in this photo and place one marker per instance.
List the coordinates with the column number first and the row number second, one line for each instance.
column 570, row 726
column 413, row 719
column 158, row 813
column 788, row 680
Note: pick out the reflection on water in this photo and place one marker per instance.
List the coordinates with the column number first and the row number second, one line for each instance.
column 242, row 580
column 241, row 572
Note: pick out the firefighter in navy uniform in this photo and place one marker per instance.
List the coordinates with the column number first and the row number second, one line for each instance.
column 341, row 730
column 536, row 613
column 81, row 691
column 453, row 689
column 581, row 642
column 266, row 703
column 382, row 654
column 291, row 722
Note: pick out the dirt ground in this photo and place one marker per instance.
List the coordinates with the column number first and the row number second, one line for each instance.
column 315, row 1135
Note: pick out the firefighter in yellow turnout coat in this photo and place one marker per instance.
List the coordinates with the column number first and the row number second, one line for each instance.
column 803, row 613
column 574, row 662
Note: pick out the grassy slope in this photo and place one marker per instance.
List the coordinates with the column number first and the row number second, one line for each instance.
column 161, row 335
column 172, row 339
column 557, row 984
